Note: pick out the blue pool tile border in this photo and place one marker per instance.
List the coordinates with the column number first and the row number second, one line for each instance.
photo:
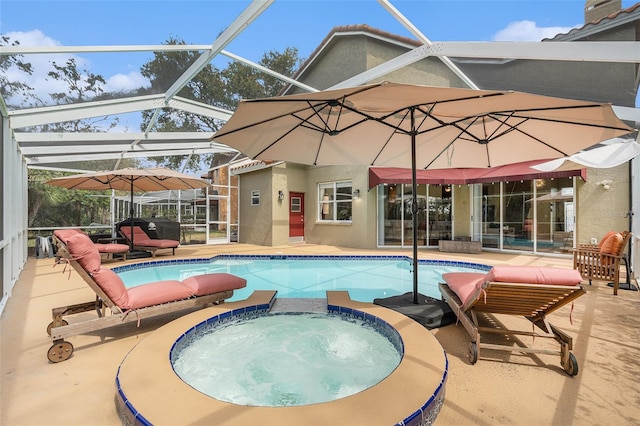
column 427, row 414
column 437, row 262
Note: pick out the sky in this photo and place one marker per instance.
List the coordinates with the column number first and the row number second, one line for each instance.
column 286, row 23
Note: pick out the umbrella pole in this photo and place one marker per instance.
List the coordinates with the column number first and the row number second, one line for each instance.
column 131, row 215
column 414, row 208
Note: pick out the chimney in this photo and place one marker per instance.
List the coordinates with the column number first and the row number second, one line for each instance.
column 598, row 9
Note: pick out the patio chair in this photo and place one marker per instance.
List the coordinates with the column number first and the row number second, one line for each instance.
column 108, row 250
column 531, row 292
column 142, row 241
column 125, row 305
column 602, row 261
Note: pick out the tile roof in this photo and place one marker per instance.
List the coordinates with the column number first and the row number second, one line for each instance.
column 620, row 14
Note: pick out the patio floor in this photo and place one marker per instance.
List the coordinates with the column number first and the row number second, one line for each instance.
column 502, row 388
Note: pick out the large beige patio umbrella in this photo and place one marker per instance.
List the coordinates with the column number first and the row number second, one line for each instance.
column 417, row 127
column 132, row 180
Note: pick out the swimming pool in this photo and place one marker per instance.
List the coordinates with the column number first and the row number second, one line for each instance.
column 364, row 277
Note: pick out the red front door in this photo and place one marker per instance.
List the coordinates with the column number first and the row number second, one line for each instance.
column 296, row 214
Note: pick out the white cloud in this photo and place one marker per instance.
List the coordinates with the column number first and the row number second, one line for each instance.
column 43, row 85
column 122, row 82
column 528, row 31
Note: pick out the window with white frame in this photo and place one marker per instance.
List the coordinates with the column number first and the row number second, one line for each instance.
column 335, row 201
column 255, row 197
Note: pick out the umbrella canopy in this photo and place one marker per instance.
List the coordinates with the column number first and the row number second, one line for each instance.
column 417, row 127
column 132, row 180
column 612, row 154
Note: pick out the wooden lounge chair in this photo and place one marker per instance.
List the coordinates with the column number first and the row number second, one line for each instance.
column 602, row 261
column 142, row 242
column 531, row 292
column 125, row 305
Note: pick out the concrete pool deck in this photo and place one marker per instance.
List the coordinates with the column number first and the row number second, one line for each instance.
column 502, row 388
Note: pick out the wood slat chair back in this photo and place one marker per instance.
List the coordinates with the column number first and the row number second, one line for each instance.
column 594, row 265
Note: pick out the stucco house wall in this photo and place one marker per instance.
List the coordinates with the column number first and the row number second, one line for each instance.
column 462, row 211
column 268, row 223
column 256, row 221
column 360, row 232
column 351, row 54
column 602, row 210
column 286, row 177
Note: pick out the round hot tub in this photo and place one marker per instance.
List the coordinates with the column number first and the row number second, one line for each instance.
column 150, row 389
column 286, row 359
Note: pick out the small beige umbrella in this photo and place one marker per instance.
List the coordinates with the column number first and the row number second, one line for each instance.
column 132, row 180
column 417, row 127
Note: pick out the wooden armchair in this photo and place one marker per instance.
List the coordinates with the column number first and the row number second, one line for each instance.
column 602, row 261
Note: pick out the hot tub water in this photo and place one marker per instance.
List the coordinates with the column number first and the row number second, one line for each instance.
column 287, row 359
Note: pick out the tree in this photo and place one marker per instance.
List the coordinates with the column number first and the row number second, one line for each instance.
column 82, row 86
column 222, row 88
column 12, row 90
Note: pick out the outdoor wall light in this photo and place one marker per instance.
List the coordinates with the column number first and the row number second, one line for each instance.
column 606, row 184
column 356, row 193
column 280, row 195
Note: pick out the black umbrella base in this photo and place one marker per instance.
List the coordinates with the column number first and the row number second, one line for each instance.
column 625, row 286
column 138, row 254
column 431, row 313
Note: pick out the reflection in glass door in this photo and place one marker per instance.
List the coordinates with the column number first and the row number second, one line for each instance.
column 518, row 213
column 222, row 214
column 534, row 216
column 555, row 216
column 217, row 226
column 395, row 210
column 439, row 213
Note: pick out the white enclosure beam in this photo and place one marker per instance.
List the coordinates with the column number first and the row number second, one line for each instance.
column 199, row 108
column 61, row 113
column 53, row 149
column 414, row 30
column 268, row 71
column 108, row 137
column 78, row 111
column 232, row 31
column 48, row 50
column 54, row 159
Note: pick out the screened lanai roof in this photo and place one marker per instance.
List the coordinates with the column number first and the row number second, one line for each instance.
column 242, row 23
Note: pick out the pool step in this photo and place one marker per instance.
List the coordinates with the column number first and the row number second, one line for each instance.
column 299, row 305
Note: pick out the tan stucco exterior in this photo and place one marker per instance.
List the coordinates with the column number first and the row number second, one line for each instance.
column 358, row 233
column 602, row 210
column 461, row 211
column 268, row 223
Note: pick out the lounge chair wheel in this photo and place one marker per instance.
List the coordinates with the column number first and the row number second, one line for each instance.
column 472, row 352
column 60, row 351
column 50, row 326
column 571, row 366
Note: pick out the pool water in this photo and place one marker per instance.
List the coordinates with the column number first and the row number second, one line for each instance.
column 286, row 359
column 366, row 278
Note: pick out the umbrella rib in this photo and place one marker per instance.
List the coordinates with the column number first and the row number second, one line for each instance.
column 395, row 130
column 257, row 123
column 462, row 131
column 512, row 127
column 552, row 120
column 275, row 141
